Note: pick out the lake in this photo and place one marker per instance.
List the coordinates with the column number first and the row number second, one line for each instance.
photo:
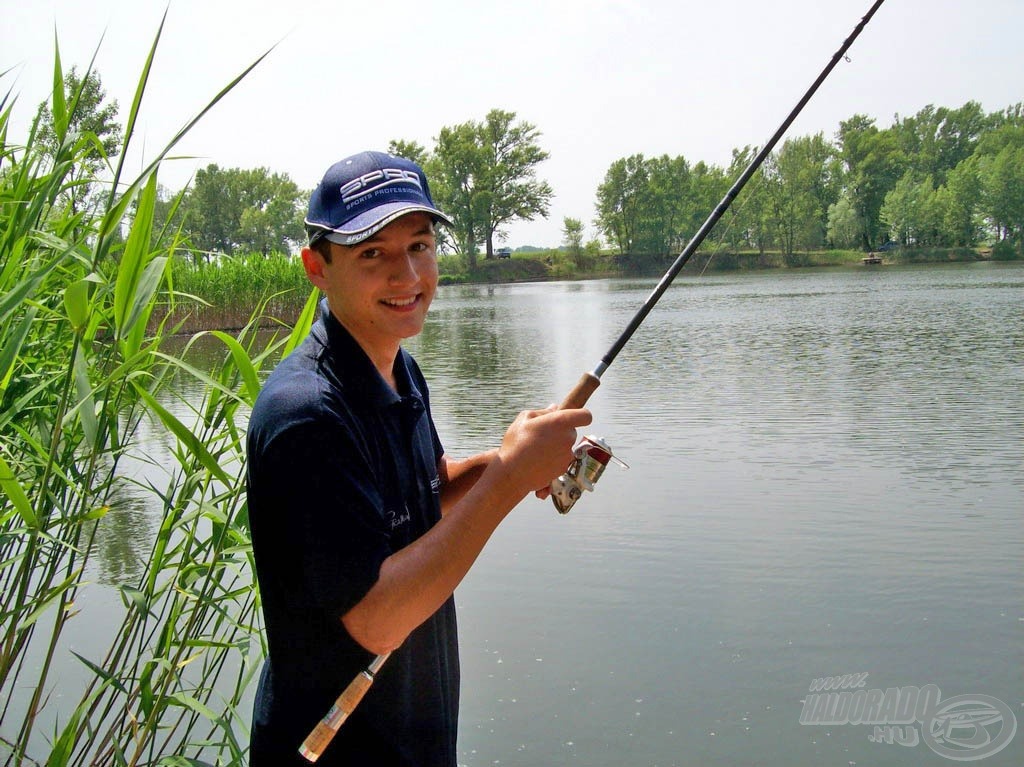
column 826, row 479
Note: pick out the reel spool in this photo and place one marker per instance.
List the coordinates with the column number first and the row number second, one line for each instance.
column 592, row 456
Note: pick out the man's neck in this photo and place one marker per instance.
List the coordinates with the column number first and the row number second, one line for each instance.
column 382, row 355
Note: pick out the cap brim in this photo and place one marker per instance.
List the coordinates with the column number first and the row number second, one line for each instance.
column 365, row 226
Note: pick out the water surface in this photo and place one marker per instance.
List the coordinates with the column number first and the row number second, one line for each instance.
column 827, row 477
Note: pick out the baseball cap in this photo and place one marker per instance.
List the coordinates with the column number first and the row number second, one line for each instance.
column 360, row 195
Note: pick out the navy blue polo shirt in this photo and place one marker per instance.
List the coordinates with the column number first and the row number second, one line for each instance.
column 342, row 473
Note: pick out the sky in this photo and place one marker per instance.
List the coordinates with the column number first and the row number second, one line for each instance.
column 601, row 80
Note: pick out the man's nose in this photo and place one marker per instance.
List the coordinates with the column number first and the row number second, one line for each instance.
column 404, row 270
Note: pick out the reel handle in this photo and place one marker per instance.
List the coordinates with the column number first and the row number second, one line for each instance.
column 581, row 392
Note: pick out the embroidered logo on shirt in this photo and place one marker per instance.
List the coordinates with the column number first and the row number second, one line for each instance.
column 399, row 518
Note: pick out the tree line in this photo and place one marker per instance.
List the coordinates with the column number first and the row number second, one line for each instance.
column 942, row 177
column 482, row 173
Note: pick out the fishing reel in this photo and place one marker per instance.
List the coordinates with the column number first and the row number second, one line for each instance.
column 592, row 456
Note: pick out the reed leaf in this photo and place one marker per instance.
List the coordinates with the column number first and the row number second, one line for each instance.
column 244, row 366
column 101, row 673
column 13, row 342
column 304, row 323
column 58, row 102
column 16, row 495
column 76, row 303
column 185, row 436
column 80, row 371
column 129, row 297
column 49, row 598
column 86, row 408
column 133, row 112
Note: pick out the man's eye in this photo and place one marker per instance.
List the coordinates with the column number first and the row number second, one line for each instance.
column 370, row 253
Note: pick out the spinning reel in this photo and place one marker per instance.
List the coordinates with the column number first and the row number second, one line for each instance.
column 592, row 456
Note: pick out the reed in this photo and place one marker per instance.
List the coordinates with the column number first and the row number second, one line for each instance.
column 224, row 291
column 82, row 366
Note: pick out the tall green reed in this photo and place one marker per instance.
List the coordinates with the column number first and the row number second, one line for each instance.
column 225, row 288
column 82, row 367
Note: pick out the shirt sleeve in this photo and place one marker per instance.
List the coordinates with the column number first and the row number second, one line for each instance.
column 330, row 503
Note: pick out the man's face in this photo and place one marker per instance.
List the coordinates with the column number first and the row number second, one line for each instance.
column 380, row 289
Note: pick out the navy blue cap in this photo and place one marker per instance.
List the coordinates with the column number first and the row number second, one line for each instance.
column 362, row 194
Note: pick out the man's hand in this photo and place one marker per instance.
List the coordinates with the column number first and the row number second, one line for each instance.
column 537, row 447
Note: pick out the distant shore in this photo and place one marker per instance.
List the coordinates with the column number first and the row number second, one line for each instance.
column 290, row 288
column 554, row 265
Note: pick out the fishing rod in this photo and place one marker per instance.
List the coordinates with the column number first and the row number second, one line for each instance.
column 321, row 736
column 592, row 454
column 591, row 457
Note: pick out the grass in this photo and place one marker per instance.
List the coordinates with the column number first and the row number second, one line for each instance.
column 88, row 302
column 224, row 292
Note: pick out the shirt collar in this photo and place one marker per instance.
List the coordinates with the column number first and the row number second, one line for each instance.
column 353, row 367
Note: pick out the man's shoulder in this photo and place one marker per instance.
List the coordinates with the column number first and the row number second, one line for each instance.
column 295, row 384
column 297, row 394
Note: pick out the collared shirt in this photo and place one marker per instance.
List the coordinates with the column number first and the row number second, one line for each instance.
column 343, row 473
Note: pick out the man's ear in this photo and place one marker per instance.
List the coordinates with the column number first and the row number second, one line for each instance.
column 313, row 263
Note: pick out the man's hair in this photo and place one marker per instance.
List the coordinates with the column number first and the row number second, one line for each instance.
column 323, row 247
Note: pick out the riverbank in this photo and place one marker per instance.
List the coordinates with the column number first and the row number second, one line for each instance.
column 233, row 289
column 554, row 265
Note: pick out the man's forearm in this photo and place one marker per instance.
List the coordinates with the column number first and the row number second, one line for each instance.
column 458, row 475
column 415, row 581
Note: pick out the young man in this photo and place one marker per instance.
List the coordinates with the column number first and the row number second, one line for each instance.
column 362, row 527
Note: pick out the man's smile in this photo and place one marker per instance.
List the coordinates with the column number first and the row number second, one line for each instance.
column 405, row 302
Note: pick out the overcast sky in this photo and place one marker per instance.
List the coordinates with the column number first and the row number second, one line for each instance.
column 601, row 79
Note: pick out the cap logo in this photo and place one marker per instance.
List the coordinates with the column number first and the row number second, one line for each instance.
column 377, row 181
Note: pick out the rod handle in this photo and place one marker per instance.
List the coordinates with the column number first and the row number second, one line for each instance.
column 581, row 392
column 321, row 736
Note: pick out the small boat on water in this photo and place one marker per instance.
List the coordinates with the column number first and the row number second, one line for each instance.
column 871, row 258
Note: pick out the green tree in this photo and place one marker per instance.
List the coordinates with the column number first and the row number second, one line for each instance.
column 271, row 221
column 708, row 185
column 747, row 224
column 811, row 174
column 250, row 210
column 959, row 201
column 572, row 238
column 654, row 206
column 620, row 201
column 874, row 163
column 455, row 169
column 1003, row 192
column 845, row 228
column 512, row 191
column 410, row 150
column 936, row 140
column 910, row 211
column 999, row 161
column 664, row 217
column 91, row 122
column 486, row 177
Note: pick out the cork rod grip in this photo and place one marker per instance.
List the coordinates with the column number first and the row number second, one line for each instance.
column 315, row 743
column 581, row 392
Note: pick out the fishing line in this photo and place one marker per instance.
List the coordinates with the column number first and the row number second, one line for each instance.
column 758, row 183
column 592, row 459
